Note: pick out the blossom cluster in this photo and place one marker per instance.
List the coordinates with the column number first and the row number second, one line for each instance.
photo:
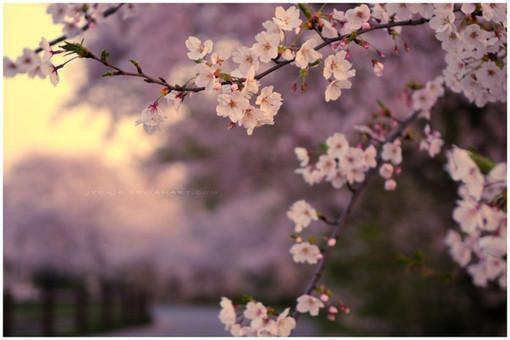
column 475, row 48
column 341, row 164
column 33, row 64
column 75, row 18
column 255, row 319
column 481, row 215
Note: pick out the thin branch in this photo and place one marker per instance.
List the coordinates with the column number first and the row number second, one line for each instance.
column 326, row 42
column 106, row 13
column 341, row 222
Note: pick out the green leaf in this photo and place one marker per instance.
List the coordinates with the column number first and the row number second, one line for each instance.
column 306, row 11
column 135, row 63
column 383, row 107
column 104, row 56
column 324, row 147
column 484, row 164
column 76, row 48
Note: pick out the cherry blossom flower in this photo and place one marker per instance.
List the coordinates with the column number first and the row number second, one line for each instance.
column 337, row 145
column 302, row 214
column 392, row 152
column 287, row 20
column 227, row 314
column 48, row 52
column 253, row 117
column 307, row 54
column 197, row 49
column 469, row 216
column 50, row 70
column 273, row 29
column 206, row 76
column 151, row 118
column 401, row 10
column 370, row 156
column 232, row 105
column 255, row 310
column 334, row 89
column 28, row 61
column 285, row 324
column 358, row 16
column 302, row 156
column 58, row 12
column 266, row 46
column 443, row 21
column 305, row 252
column 338, row 66
column 246, row 58
column 309, row 304
column 460, row 252
column 10, row 68
column 432, row 142
column 269, row 101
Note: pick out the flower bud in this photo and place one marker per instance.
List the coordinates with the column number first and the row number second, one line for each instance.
column 332, row 310
column 386, row 171
column 378, row 68
column 331, row 242
column 234, row 87
column 390, row 185
column 331, row 317
column 324, row 297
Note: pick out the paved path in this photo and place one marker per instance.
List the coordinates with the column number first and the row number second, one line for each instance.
column 186, row 320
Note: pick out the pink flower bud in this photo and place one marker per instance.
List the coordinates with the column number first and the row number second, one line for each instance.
column 234, row 87
column 319, row 257
column 365, row 44
column 331, row 317
column 347, row 54
column 324, row 297
column 343, row 42
column 390, row 185
column 365, row 26
column 331, row 242
column 378, row 68
column 386, row 170
column 299, row 239
column 217, row 87
column 380, row 53
column 398, row 170
column 332, row 310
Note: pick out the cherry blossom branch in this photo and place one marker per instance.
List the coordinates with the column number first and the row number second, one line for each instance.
column 342, row 220
column 120, row 72
column 106, row 13
column 280, row 64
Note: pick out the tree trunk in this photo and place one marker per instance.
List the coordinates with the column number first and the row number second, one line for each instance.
column 48, row 311
column 81, row 316
column 8, row 316
column 106, row 306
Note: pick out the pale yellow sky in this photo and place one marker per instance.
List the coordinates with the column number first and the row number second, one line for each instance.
column 30, row 104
